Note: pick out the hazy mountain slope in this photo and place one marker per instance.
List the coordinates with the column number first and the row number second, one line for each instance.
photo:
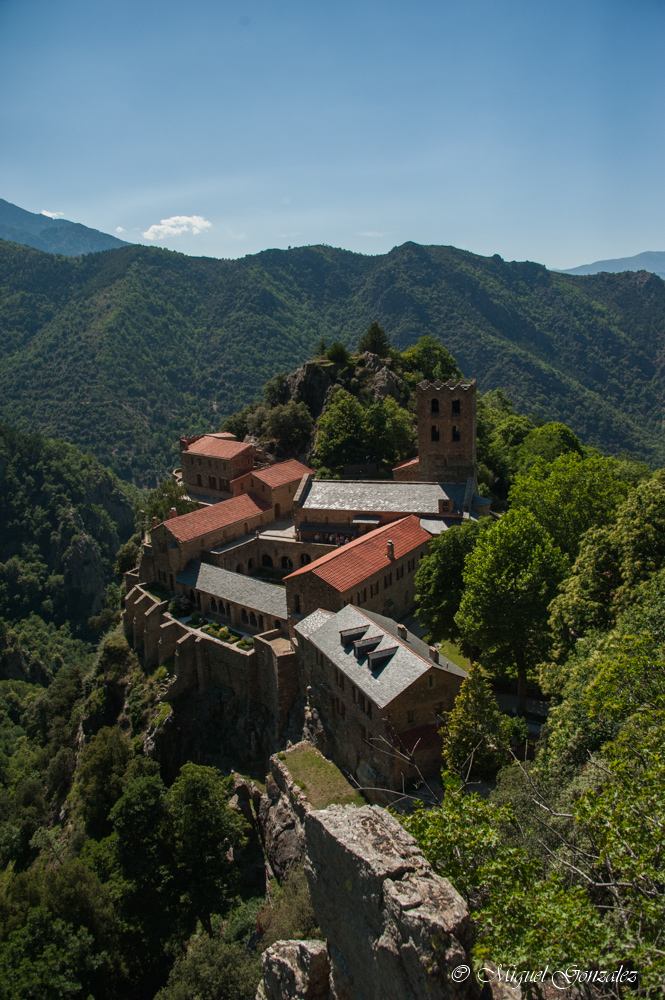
column 121, row 352
column 52, row 235
column 651, row 260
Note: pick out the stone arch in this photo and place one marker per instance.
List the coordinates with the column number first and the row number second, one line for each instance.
column 287, row 563
column 252, row 619
column 244, row 617
column 305, row 559
column 213, row 604
column 266, row 560
column 239, row 568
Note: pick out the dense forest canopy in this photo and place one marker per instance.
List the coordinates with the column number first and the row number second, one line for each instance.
column 122, row 351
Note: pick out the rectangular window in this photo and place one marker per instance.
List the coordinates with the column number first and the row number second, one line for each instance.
column 354, row 693
column 431, row 680
column 368, row 708
column 364, row 593
column 410, row 715
column 361, row 702
column 339, row 677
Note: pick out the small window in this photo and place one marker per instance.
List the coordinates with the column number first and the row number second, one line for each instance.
column 261, row 622
column 199, row 479
column 410, row 715
column 244, row 617
column 435, row 434
column 431, row 680
column 435, row 406
column 456, row 406
column 354, row 694
column 212, row 483
column 252, row 619
column 296, row 604
column 266, row 561
column 250, row 564
column 305, row 559
column 457, row 434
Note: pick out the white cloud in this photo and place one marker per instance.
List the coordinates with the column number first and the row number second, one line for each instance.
column 52, row 215
column 119, row 229
column 176, row 225
column 370, row 233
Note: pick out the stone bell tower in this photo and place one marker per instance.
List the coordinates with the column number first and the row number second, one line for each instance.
column 447, row 431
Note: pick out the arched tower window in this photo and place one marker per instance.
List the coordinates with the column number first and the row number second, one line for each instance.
column 435, row 406
column 457, row 434
column 456, row 406
column 435, row 434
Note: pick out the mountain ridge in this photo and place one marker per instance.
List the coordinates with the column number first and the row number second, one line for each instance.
column 650, row 260
column 52, row 235
column 122, row 352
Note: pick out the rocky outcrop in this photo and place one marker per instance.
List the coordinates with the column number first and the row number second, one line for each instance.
column 310, row 383
column 295, row 970
column 394, row 929
column 282, row 815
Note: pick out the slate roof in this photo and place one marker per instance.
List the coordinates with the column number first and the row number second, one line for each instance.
column 374, row 495
column 266, row 598
column 413, row 642
column 279, row 474
column 350, row 564
column 385, row 681
column 199, row 522
column 212, row 446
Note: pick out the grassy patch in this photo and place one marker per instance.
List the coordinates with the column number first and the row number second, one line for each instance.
column 322, row 782
column 450, row 650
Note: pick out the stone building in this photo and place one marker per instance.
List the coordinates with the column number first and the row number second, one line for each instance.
column 447, row 431
column 376, row 688
column 178, row 540
column 209, row 462
column 277, row 484
column 233, row 598
column 374, row 571
column 351, row 508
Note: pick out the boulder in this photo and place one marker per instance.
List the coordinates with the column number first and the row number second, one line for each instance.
column 309, row 384
column 394, row 928
column 295, row 970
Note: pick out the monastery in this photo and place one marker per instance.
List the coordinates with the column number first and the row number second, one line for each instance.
column 309, row 581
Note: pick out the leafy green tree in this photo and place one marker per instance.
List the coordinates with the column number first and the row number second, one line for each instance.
column 337, row 352
column 127, row 556
column 276, row 390
column 159, row 502
column 570, row 495
column 100, row 776
column 341, row 436
column 431, row 360
column 389, row 431
column 376, row 341
column 476, row 735
column 213, row 969
column 548, row 442
column 510, row 579
column 204, row 830
column 439, row 579
column 291, row 426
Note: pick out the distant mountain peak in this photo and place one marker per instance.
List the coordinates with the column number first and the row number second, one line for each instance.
column 51, row 232
column 650, row 260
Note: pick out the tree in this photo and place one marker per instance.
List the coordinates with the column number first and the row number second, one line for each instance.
column 291, row 426
column 376, row 341
column 159, row 502
column 389, row 432
column 276, row 390
column 338, row 353
column 548, row 442
column 439, row 580
column 430, row 359
column 213, row 969
column 510, row 579
column 205, row 829
column 570, row 495
column 101, row 771
column 342, row 432
column 476, row 735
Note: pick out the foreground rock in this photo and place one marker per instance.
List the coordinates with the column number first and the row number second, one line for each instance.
column 295, row 970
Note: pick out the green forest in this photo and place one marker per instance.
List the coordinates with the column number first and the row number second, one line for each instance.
column 126, row 872
column 121, row 352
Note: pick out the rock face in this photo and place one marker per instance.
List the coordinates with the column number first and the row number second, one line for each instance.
column 394, row 929
column 295, row 970
column 309, row 384
column 282, row 815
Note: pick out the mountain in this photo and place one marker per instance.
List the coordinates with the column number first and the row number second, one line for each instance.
column 651, row 260
column 122, row 352
column 52, row 235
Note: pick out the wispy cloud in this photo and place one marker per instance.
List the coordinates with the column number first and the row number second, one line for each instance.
column 119, row 229
column 52, row 215
column 176, row 225
column 370, row 233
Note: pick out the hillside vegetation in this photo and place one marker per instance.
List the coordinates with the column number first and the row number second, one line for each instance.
column 121, row 352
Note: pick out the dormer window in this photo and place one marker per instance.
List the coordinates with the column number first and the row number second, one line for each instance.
column 457, row 434
column 456, row 406
column 435, row 434
column 435, row 406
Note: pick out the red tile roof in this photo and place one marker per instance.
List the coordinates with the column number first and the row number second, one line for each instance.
column 350, row 564
column 420, row 738
column 409, row 461
column 216, row 447
column 216, row 516
column 282, row 473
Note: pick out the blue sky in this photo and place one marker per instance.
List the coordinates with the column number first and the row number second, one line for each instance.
column 530, row 129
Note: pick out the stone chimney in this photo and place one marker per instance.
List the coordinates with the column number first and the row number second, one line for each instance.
column 391, row 550
column 154, row 522
column 434, row 654
column 401, row 631
column 446, row 505
column 173, row 513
